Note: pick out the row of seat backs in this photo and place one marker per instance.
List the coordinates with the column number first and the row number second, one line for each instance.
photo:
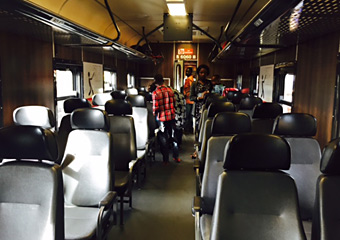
column 88, row 171
column 305, row 153
column 100, row 99
column 254, row 151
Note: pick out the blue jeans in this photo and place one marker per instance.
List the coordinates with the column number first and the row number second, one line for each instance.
column 167, row 140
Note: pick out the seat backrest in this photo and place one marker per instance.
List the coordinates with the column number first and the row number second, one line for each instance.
column 214, row 108
column 122, row 129
column 255, row 199
column 118, row 94
column 247, row 105
column 219, row 105
column 209, row 98
column 224, row 126
column 87, row 170
column 140, row 117
column 264, row 115
column 100, row 99
column 31, row 196
column 34, row 116
column 131, row 91
column 298, row 129
column 326, row 213
column 65, row 125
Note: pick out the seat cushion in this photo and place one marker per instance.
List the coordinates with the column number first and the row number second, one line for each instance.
column 205, row 222
column 121, row 181
column 80, row 222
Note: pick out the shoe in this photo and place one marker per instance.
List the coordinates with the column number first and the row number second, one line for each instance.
column 178, row 160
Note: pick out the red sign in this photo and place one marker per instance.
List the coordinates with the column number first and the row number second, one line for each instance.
column 185, row 51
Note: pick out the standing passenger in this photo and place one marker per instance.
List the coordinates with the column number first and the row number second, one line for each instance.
column 197, row 92
column 186, row 91
column 164, row 110
column 180, row 112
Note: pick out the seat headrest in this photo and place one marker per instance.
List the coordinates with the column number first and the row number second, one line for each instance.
column 34, row 116
column 147, row 95
column 330, row 160
column 248, row 103
column 28, row 142
column 267, row 110
column 100, row 99
column 216, row 107
column 131, row 91
column 118, row 107
column 295, row 124
column 136, row 100
column 230, row 95
column 257, row 151
column 118, row 94
column 237, row 97
column 73, row 103
column 214, row 97
column 230, row 123
column 89, row 118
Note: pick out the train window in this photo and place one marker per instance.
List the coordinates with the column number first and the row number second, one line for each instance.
column 66, row 85
column 110, row 81
column 130, row 80
column 286, row 92
column 288, row 88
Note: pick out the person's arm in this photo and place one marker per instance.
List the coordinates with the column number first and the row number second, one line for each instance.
column 186, row 88
column 155, row 105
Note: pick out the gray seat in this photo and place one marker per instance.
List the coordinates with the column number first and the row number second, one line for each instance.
column 298, row 129
column 255, row 198
column 90, row 203
column 65, row 125
column 224, row 126
column 144, row 140
column 327, row 211
column 264, row 116
column 124, row 151
column 212, row 97
column 99, row 100
column 214, row 108
column 31, row 187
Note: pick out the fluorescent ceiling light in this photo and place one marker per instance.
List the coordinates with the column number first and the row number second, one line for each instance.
column 176, row 9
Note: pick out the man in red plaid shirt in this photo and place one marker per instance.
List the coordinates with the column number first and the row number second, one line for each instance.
column 164, row 110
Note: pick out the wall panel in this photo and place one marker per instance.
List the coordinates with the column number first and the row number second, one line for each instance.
column 27, row 73
column 314, row 85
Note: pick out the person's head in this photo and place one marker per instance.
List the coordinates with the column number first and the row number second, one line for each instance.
column 188, row 72
column 203, row 71
column 215, row 79
column 159, row 79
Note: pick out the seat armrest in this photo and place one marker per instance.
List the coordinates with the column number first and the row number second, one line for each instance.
column 108, row 200
column 197, row 146
column 196, row 212
column 197, row 205
column 197, row 164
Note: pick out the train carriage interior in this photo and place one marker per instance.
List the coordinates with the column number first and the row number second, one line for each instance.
column 82, row 142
